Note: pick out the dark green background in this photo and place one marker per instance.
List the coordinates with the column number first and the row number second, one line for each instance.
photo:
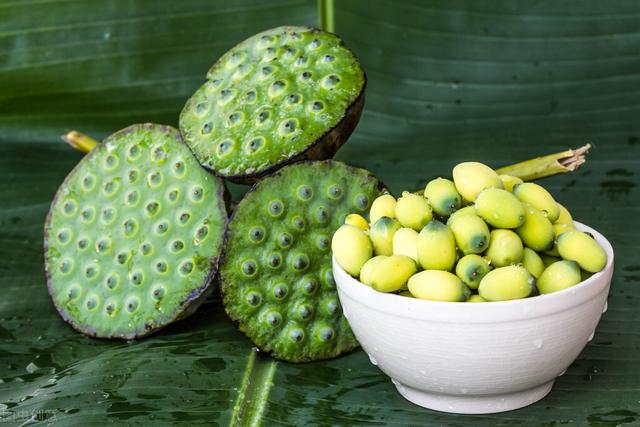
column 493, row 81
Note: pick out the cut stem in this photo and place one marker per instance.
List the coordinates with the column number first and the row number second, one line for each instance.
column 552, row 164
column 80, row 141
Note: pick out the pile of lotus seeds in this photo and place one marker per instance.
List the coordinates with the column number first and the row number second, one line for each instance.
column 482, row 237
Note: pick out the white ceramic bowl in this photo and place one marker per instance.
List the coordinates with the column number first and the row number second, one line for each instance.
column 475, row 358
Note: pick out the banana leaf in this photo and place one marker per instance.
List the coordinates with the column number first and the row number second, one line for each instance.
column 448, row 81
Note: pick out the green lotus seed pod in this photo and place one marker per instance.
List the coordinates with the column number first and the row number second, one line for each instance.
column 405, row 242
column 564, row 217
column 506, row 283
column 476, row 298
column 532, row 262
column 537, row 231
column 381, row 235
column 505, row 248
column 358, row 221
column 367, row 273
column 134, row 234
column 500, row 208
column 276, row 275
column 436, row 247
column 443, row 196
column 392, row 273
column 539, row 198
column 352, row 248
column 547, row 260
column 471, row 269
column 384, row 205
column 471, row 178
column 509, row 181
column 580, row 247
column 471, row 233
column 438, row 285
column 467, row 210
column 283, row 95
column 413, row 211
column 558, row 276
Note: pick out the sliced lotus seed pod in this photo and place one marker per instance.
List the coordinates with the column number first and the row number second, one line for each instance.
column 352, row 248
column 471, row 178
column 436, row 247
column 392, row 273
column 384, row 205
column 367, row 272
column 582, row 248
column 499, row 208
column 537, row 231
column 134, row 234
column 438, row 285
column 405, row 242
column 471, row 269
column 443, row 196
column 413, row 211
column 558, row 276
column 276, row 275
column 532, row 262
column 381, row 235
column 358, row 221
column 471, row 233
column 476, row 298
column 564, row 217
column 505, row 248
column 508, row 181
column 286, row 94
column 538, row 197
column 506, row 283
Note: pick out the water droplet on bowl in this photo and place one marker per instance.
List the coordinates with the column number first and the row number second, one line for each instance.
column 591, row 336
column 606, row 305
column 373, row 360
column 562, row 373
column 537, row 343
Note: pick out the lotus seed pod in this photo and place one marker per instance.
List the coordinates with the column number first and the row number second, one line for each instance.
column 134, row 234
column 405, row 242
column 467, row 210
column 443, row 196
column 500, row 208
column 392, row 273
column 413, row 211
column 509, row 181
column 476, row 298
column 471, row 269
column 580, row 247
column 384, row 205
column 368, row 271
column 381, row 235
column 564, row 217
column 537, row 231
column 358, row 221
column 438, row 285
column 275, row 275
column 471, row 233
column 505, row 248
column 471, row 178
column 436, row 247
column 286, row 94
column 532, row 262
column 506, row 283
column 352, row 248
column 558, row 276
column 547, row 260
column 539, row 198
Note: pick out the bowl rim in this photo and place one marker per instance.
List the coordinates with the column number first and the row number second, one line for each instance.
column 489, row 312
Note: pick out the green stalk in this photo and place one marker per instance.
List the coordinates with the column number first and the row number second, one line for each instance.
column 80, row 141
column 552, row 164
column 326, row 13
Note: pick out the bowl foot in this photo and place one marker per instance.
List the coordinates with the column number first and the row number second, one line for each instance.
column 461, row 404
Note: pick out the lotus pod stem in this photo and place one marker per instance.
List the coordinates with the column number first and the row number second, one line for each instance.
column 552, row 164
column 80, row 141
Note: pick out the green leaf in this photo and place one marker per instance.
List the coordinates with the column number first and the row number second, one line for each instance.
column 449, row 81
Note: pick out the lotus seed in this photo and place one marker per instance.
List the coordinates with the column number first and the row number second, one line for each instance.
column 146, row 248
column 172, row 195
column 132, row 304
column 184, row 218
column 162, row 227
column 112, row 281
column 201, row 108
column 103, row 245
column 250, row 96
column 314, row 44
column 178, row 169
column 263, row 116
column 310, row 286
column 302, row 60
column 298, row 223
column 305, row 192
column 91, row 303
column 256, row 234
column 202, row 232
column 288, row 126
column 206, row 129
column 285, row 240
column 274, row 318
column 280, row 291
column 91, row 271
column 255, row 145
column 158, row 293
column 323, row 243
column 88, row 182
column 136, row 278
column 254, row 299
column 108, row 215
column 186, row 267
column 326, row 333
column 196, row 194
column 133, row 175
column 83, row 243
column 293, row 98
column 161, row 267
column 65, row 266
column 158, row 154
column 235, row 118
column 249, row 268
column 335, row 192
column 122, row 257
column 154, row 179
column 275, row 260
column 317, row 106
column 152, row 208
column 322, row 215
column 177, row 246
column 301, row 262
column 73, row 292
column 70, row 207
column 64, row 236
column 328, row 58
column 276, row 208
column 88, row 214
column 132, row 198
column 306, row 75
column 134, row 152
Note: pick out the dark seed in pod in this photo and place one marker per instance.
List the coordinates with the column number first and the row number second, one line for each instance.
column 206, row 129
column 274, row 318
column 133, row 175
column 267, row 70
column 254, row 299
column 275, row 260
column 305, row 192
column 263, row 116
column 161, row 266
column 305, row 311
column 322, row 214
column 251, row 96
column 184, row 218
column 201, row 108
column 136, row 278
column 306, row 75
column 298, row 223
column 310, row 286
column 83, row 243
column 122, row 257
column 301, row 60
column 280, row 291
column 323, row 242
column 146, row 248
column 317, row 106
column 326, row 333
column 328, row 58
column 296, row 335
column 275, row 208
column 177, row 245
column 362, row 202
column 110, row 309
column 162, row 227
column 249, row 268
column 256, row 234
column 152, row 208
column 202, row 232
column 293, row 98
column 315, row 43
column 335, row 191
column 285, row 240
column 186, row 267
column 301, row 262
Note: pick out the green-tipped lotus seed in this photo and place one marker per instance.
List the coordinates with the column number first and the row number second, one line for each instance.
column 505, row 248
column 532, row 262
column 564, row 217
column 436, row 247
column 509, row 181
column 471, row 233
column 392, row 273
column 499, row 208
column 476, row 298
column 381, row 235
column 437, row 285
column 580, row 247
column 471, row 269
column 537, row 231
column 405, row 242
column 368, row 270
column 384, row 205
column 358, row 221
column 506, row 283
column 352, row 248
column 558, row 276
column 443, row 196
column 413, row 211
column 471, row 178
column 539, row 198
